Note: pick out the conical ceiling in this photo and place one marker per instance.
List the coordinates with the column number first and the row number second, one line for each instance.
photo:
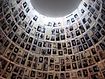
column 34, row 46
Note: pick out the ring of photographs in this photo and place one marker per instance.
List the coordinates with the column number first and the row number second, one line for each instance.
column 34, row 46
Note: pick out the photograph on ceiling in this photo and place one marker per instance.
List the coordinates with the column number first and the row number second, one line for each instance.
column 3, row 63
column 15, row 28
column 18, row 60
column 15, row 38
column 9, row 67
column 30, row 39
column 12, row 57
column 16, row 69
column 29, row 63
column 33, row 73
column 19, row 40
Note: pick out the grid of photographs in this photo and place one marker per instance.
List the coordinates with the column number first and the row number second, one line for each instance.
column 31, row 50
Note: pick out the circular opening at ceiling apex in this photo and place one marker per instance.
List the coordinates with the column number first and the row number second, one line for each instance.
column 55, row 8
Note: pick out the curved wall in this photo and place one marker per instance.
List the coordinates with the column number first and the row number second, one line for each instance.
column 33, row 46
